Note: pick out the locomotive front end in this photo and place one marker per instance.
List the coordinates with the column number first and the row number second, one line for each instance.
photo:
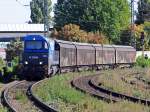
column 35, row 57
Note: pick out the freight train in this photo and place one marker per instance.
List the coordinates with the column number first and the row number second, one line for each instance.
column 43, row 56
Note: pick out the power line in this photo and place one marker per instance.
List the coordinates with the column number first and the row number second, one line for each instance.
column 22, row 3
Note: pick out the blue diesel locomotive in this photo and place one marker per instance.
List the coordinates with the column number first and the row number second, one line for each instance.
column 43, row 57
column 37, row 56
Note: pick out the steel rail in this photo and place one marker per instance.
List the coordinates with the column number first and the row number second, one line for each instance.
column 5, row 98
column 116, row 94
column 37, row 100
column 92, row 82
column 83, row 84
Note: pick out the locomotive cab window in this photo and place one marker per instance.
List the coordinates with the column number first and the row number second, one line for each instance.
column 33, row 44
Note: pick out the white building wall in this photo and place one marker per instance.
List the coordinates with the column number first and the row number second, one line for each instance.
column 139, row 53
column 2, row 53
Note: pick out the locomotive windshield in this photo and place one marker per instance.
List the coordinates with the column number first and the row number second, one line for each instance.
column 34, row 44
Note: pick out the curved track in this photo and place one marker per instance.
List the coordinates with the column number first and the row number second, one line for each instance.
column 90, row 85
column 83, row 84
column 38, row 102
column 10, row 100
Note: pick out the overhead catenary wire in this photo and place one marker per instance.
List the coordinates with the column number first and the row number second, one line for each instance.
column 22, row 3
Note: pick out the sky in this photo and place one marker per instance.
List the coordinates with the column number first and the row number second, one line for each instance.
column 14, row 12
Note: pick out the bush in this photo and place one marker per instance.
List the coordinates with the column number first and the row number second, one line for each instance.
column 142, row 62
column 11, row 72
column 72, row 32
column 1, row 63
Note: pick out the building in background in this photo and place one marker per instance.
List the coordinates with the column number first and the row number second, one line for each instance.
column 2, row 53
column 10, row 32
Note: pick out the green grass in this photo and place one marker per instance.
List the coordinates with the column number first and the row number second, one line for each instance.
column 59, row 92
column 2, row 109
column 22, row 100
column 142, row 62
column 21, row 97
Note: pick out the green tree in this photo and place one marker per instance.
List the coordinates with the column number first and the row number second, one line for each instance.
column 143, row 13
column 38, row 11
column 14, row 49
column 106, row 16
column 1, row 63
column 147, row 31
column 125, row 38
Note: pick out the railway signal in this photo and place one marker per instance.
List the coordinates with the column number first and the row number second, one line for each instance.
column 142, row 42
column 142, row 38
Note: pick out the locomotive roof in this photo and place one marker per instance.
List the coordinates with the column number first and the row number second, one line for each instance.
column 34, row 37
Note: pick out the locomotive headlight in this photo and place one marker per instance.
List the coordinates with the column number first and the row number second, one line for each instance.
column 40, row 63
column 26, row 62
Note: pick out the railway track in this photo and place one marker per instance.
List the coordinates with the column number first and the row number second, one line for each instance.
column 46, row 107
column 12, row 95
column 90, row 85
column 83, row 84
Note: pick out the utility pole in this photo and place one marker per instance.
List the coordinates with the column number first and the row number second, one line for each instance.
column 142, row 42
column 142, row 19
column 46, row 16
column 133, row 41
column 142, row 33
column 46, row 19
column 142, row 9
